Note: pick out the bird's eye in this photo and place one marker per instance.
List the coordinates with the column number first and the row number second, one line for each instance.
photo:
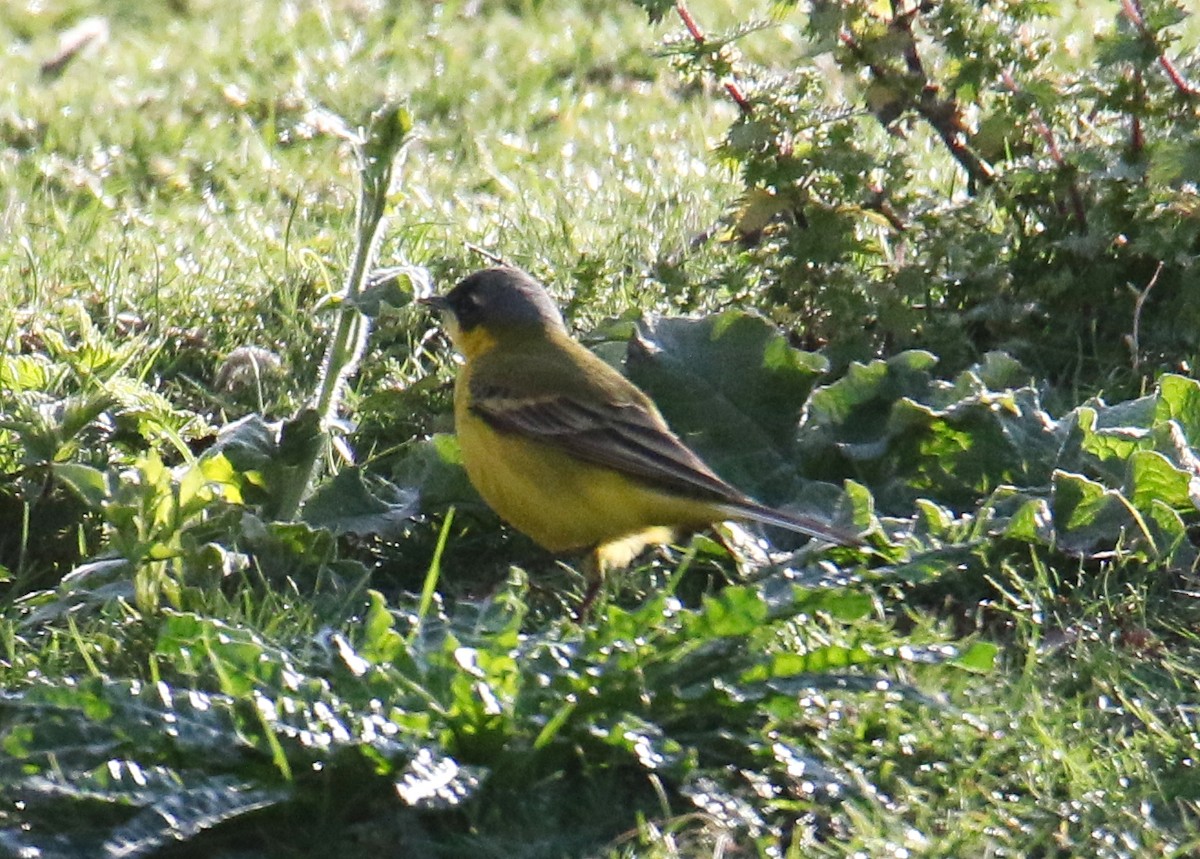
column 469, row 310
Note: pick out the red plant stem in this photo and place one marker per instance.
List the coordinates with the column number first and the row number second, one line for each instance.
column 879, row 203
column 1137, row 137
column 690, row 22
column 942, row 114
column 1133, row 11
column 735, row 93
column 1056, row 155
column 1039, row 124
column 731, row 86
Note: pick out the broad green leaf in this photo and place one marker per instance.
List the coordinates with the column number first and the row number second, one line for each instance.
column 960, row 453
column 1179, row 400
column 348, row 505
column 731, row 386
column 645, row 741
column 1140, row 413
column 1168, row 439
column 979, row 657
column 927, row 565
column 818, row 660
column 932, row 518
column 728, row 809
column 1171, row 538
column 433, row 468
column 1111, row 445
column 842, row 604
column 1087, row 515
column 240, row 661
column 217, row 469
column 195, row 490
column 1032, row 523
column 732, row 611
column 999, row 370
column 287, row 548
column 389, row 129
column 116, row 781
column 381, row 643
column 250, row 443
column 859, row 402
column 298, row 436
column 1152, row 477
column 861, row 503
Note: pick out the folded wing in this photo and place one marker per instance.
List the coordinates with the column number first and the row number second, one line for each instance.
column 627, row 437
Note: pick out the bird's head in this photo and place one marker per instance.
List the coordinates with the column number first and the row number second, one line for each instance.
column 494, row 303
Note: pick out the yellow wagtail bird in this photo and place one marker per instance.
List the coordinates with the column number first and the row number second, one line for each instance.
column 566, row 449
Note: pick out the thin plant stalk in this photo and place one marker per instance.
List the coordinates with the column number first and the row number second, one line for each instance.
column 386, row 136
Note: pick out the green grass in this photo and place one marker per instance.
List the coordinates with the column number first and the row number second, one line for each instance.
column 177, row 193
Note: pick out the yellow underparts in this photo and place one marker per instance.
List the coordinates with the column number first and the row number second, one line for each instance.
column 565, row 504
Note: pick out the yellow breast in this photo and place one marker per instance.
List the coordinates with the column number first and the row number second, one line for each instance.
column 563, row 503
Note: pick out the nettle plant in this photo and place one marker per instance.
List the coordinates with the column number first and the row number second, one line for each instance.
column 967, row 176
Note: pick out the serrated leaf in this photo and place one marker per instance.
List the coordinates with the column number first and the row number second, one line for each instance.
column 434, row 781
column 1172, row 161
column 396, row 286
column 24, row 373
column 88, row 483
column 183, row 815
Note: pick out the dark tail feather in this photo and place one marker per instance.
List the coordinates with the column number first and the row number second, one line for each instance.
column 808, row 525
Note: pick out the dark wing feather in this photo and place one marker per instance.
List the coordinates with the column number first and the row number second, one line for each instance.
column 625, row 436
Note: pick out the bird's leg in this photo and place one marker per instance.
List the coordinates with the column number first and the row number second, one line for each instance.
column 593, row 567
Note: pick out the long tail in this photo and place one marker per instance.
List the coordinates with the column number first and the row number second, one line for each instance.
column 808, row 525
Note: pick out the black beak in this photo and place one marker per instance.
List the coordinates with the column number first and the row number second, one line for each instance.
column 437, row 302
